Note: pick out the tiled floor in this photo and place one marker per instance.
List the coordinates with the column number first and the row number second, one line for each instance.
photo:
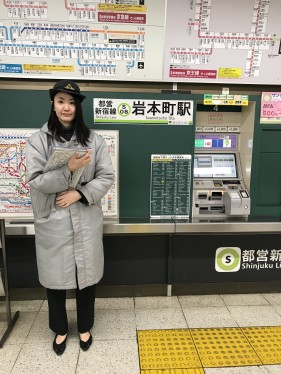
column 114, row 351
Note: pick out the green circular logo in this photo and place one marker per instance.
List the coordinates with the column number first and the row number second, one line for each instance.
column 230, row 255
column 124, row 109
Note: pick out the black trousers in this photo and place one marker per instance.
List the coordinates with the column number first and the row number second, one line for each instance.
column 85, row 303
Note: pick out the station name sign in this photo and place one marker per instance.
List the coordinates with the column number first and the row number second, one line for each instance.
column 143, row 111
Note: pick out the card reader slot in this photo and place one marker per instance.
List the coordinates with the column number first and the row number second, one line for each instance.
column 202, row 195
column 211, row 209
column 216, row 195
column 217, row 208
column 203, row 209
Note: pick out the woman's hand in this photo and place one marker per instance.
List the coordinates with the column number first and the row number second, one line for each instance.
column 76, row 161
column 67, row 198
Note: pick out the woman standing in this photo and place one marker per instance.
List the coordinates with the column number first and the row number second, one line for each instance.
column 68, row 221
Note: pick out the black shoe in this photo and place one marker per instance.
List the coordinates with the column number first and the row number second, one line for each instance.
column 59, row 348
column 86, row 345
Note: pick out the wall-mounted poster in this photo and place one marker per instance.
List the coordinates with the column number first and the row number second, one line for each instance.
column 94, row 39
column 271, row 107
column 217, row 41
column 110, row 202
column 14, row 189
column 142, row 40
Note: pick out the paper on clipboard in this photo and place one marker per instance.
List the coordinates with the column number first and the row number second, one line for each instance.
column 60, row 157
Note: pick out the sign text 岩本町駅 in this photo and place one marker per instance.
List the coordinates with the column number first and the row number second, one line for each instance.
column 139, row 111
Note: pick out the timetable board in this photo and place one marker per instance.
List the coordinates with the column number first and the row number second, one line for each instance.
column 14, row 189
column 211, row 41
column 170, row 186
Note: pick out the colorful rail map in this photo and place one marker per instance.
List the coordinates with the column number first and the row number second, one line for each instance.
column 223, row 41
column 14, row 189
column 214, row 41
column 94, row 39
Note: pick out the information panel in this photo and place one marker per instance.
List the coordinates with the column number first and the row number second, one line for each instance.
column 14, row 189
column 214, row 41
column 170, row 186
column 208, row 142
column 92, row 39
column 223, row 41
column 110, row 202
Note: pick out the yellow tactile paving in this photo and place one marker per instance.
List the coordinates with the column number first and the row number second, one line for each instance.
column 220, row 347
column 173, row 371
column 188, row 351
column 167, row 349
column 266, row 341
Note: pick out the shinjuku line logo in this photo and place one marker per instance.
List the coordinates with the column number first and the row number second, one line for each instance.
column 228, row 259
column 124, row 109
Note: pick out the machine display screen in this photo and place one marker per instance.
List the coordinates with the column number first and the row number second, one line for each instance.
column 215, row 165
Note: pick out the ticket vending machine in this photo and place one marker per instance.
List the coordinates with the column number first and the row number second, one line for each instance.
column 222, row 163
column 218, row 188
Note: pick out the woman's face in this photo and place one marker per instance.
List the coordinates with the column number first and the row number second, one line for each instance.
column 64, row 106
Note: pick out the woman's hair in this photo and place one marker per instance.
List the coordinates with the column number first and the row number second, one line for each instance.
column 81, row 130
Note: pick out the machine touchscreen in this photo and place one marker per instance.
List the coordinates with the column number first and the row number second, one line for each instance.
column 215, row 165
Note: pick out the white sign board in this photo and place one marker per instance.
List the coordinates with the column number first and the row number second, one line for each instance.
column 143, row 111
column 110, row 202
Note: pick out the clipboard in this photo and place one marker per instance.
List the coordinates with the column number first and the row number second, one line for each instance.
column 60, row 156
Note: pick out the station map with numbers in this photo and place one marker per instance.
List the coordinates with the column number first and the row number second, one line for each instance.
column 97, row 39
column 214, row 41
column 223, row 41
column 14, row 189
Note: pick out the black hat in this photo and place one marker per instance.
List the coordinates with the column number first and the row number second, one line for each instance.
column 67, row 86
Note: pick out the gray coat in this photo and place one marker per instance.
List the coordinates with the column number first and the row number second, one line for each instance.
column 68, row 238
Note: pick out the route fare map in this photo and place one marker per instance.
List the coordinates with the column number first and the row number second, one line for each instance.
column 96, row 39
column 15, row 198
column 214, row 41
column 14, row 189
column 223, row 41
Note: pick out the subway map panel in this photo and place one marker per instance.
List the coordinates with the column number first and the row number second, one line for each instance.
column 14, row 189
column 223, row 41
column 15, row 197
column 97, row 39
column 214, row 41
